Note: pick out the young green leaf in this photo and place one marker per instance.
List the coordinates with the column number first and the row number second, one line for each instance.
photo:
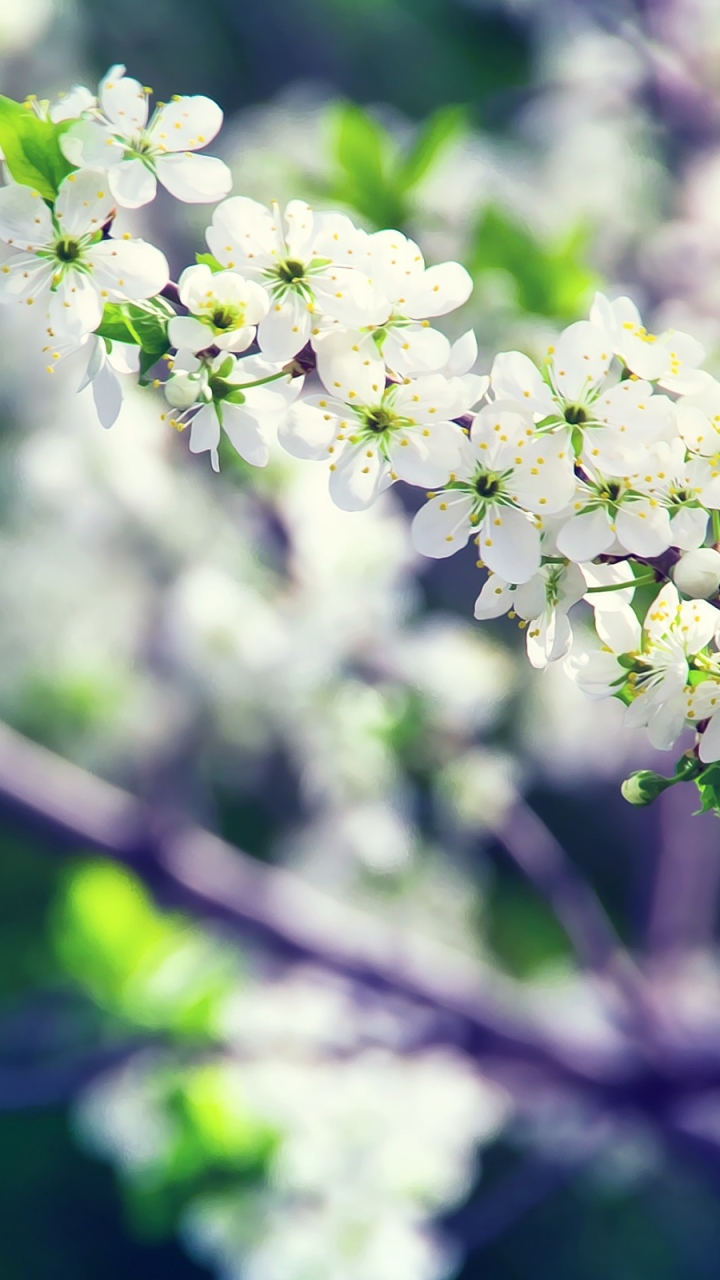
column 439, row 130
column 207, row 260
column 31, row 147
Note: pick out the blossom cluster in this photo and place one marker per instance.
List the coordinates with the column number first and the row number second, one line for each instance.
column 582, row 480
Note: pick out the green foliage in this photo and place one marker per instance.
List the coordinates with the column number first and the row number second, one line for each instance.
column 151, row 969
column 372, row 175
column 213, row 1141
column 209, row 260
column 144, row 324
column 708, row 784
column 551, row 280
column 31, row 147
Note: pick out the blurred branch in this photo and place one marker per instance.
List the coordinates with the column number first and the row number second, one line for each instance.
column 534, row 848
column 473, row 1005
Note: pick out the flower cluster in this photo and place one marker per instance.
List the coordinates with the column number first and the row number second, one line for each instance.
column 581, row 480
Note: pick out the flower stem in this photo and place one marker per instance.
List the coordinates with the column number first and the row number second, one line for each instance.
column 716, row 527
column 642, row 580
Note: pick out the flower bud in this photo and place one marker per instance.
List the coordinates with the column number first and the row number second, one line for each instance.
column 182, row 390
column 697, row 574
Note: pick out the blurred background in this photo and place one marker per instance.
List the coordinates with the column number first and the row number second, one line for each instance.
column 441, row 1005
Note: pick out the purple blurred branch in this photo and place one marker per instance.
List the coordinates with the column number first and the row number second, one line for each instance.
column 541, row 858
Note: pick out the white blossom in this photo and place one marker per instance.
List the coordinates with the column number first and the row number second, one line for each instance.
column 543, row 602
column 224, row 310
column 311, row 264
column 61, row 259
column 671, row 358
column 506, row 475
column 138, row 153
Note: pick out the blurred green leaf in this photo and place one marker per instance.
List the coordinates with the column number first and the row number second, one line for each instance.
column 551, row 280
column 153, row 969
column 31, row 147
column 208, row 260
column 441, row 129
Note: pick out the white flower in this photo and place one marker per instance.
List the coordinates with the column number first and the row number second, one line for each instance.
column 671, row 358
column 107, row 363
column 611, row 424
column 224, row 310
column 61, row 259
column 697, row 574
column 698, row 420
column 138, row 153
column 374, row 435
column 614, row 512
column 308, row 263
column 543, row 602
column 650, row 664
column 687, row 488
column 241, row 396
column 415, row 293
column 504, row 473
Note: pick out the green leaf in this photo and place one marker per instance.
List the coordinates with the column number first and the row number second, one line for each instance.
column 439, row 130
column 144, row 324
column 207, row 260
column 708, row 784
column 32, row 148
column 551, row 280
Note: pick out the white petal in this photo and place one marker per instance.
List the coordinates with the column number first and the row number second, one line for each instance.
column 709, row 749
column 75, row 307
column 515, row 377
column 25, row 278
column 642, row 528
column 107, row 394
column 192, row 178
column 358, row 480
column 619, row 629
column 510, row 544
column 132, row 183
column 463, row 354
column 244, row 234
column 349, row 296
column 414, row 350
column 442, row 526
column 186, row 331
column 25, row 221
column 285, row 329
column 586, row 535
column 308, row 431
column 205, row 431
column 84, row 202
column 426, row 456
column 123, row 101
column 581, row 359
column 688, row 528
column 245, row 435
column 186, row 124
column 439, row 290
column 129, row 268
column 495, row 599
column 91, row 144
column 350, row 366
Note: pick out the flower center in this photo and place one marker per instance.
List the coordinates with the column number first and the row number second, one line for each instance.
column 291, row 271
column 575, row 415
column 611, row 490
column 67, row 250
column 226, row 317
column 379, row 419
column 487, row 485
column 140, row 146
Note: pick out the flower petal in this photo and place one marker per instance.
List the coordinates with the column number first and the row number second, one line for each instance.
column 75, row 306
column 245, row 434
column 25, row 221
column 440, row 289
column 192, row 178
column 509, row 544
column 357, row 479
column 586, row 535
column 123, row 101
column 285, row 329
column 186, row 124
column 84, row 202
column 132, row 183
column 442, row 526
column 129, row 269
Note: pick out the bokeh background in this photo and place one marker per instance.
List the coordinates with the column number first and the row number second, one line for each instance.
column 184, row 1096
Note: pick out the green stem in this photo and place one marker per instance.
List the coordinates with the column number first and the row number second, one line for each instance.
column 243, row 386
column 643, row 579
column 716, row 526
